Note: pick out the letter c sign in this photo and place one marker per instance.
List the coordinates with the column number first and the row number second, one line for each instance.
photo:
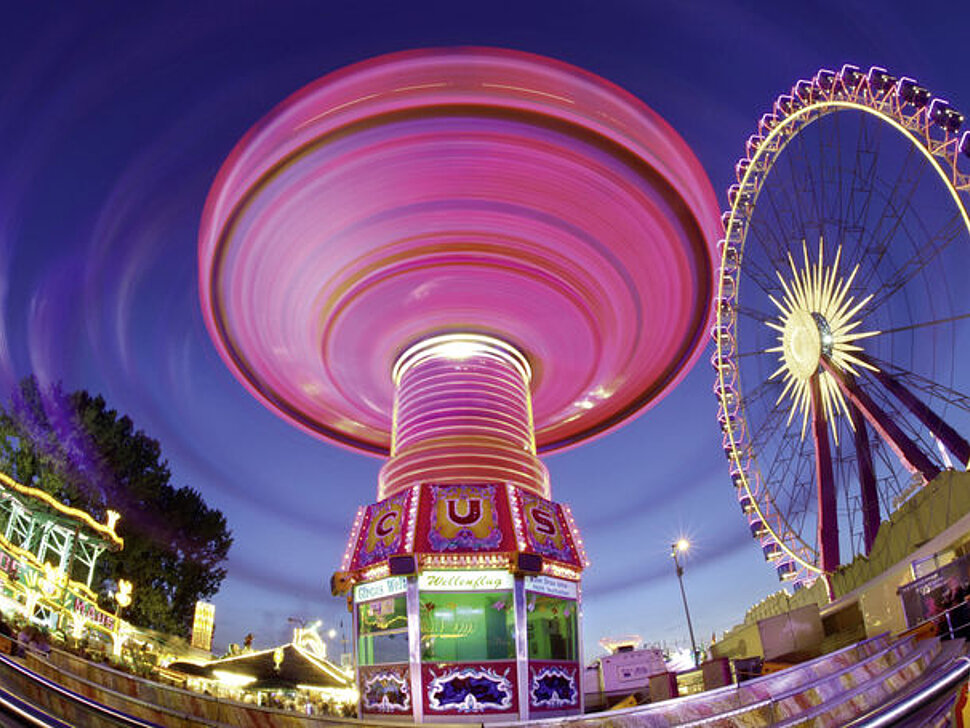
column 386, row 524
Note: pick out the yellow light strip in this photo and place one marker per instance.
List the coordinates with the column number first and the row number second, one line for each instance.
column 66, row 510
column 463, row 345
column 323, row 665
column 888, row 118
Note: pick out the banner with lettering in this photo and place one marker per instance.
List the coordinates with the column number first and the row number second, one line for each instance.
column 464, row 518
column 90, row 612
column 21, row 576
column 546, row 532
column 10, row 565
column 449, row 580
column 384, row 530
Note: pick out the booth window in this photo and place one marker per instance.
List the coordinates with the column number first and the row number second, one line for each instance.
column 551, row 627
column 383, row 631
column 467, row 626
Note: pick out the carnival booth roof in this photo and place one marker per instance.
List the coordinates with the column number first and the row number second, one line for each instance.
column 296, row 668
column 45, row 506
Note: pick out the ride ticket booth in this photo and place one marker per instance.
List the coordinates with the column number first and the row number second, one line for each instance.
column 479, row 618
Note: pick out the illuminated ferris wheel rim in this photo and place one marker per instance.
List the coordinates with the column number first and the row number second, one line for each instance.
column 920, row 124
column 470, row 191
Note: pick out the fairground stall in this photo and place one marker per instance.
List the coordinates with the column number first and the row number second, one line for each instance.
column 457, row 260
column 490, row 577
column 48, row 553
column 296, row 675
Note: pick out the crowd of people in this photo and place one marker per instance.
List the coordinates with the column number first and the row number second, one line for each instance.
column 23, row 636
column 18, row 637
column 307, row 703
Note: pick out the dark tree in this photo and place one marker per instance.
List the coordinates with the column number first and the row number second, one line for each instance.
column 79, row 451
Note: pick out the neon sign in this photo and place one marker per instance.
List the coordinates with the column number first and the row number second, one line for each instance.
column 383, row 588
column 480, row 580
column 93, row 614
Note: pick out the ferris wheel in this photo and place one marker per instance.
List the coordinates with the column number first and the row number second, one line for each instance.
column 843, row 316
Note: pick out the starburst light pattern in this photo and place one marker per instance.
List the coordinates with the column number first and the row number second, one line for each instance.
column 817, row 320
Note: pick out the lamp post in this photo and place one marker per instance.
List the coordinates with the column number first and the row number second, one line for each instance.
column 681, row 546
column 122, row 596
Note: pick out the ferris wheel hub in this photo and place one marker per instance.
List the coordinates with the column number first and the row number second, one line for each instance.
column 802, row 344
column 818, row 318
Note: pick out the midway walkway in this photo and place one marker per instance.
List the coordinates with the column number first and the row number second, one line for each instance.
column 859, row 685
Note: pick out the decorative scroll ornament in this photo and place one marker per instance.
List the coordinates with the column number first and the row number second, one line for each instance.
column 387, row 691
column 553, row 686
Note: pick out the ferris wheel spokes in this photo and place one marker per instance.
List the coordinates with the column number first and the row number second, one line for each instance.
column 863, row 413
column 942, row 431
column 828, row 517
column 867, row 479
column 908, row 452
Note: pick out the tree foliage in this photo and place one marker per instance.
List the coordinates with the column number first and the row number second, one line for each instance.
column 88, row 456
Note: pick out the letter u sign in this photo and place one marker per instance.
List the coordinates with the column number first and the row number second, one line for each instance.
column 472, row 511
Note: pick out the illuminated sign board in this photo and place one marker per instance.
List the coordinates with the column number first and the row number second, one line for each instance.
column 480, row 580
column 203, row 625
column 378, row 589
column 9, row 565
column 91, row 613
column 552, row 587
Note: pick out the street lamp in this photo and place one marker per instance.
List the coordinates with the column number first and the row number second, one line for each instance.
column 681, row 546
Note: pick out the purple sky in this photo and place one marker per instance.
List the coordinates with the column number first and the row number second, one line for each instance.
column 113, row 121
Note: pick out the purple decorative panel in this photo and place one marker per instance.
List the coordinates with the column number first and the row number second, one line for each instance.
column 546, row 531
column 384, row 529
column 464, row 689
column 553, row 686
column 385, row 689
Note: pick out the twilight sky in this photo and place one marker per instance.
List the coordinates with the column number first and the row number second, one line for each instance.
column 115, row 117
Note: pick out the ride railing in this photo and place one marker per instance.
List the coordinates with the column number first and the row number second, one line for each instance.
column 930, row 702
column 63, row 690
column 925, row 679
column 21, row 690
column 950, row 623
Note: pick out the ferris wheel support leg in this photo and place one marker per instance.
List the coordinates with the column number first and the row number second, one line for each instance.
column 950, row 438
column 867, row 479
column 912, row 458
column 828, row 521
